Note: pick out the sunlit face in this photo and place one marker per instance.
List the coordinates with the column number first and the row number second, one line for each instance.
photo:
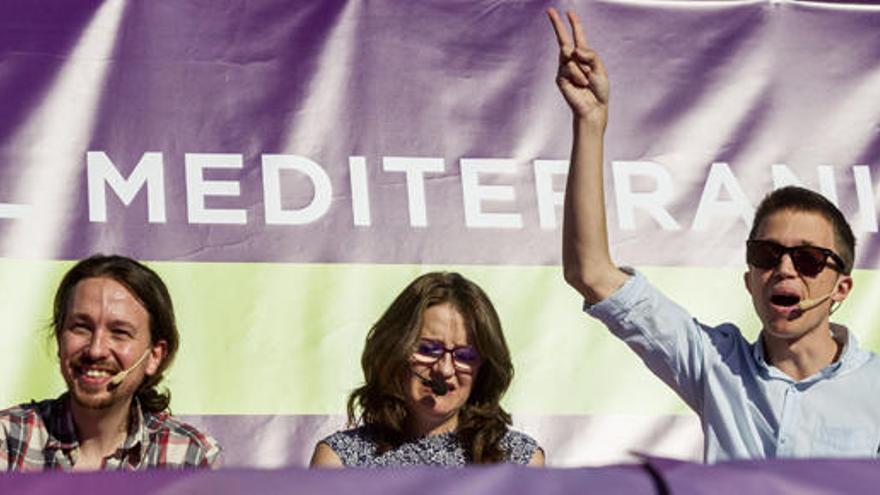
column 106, row 330
column 777, row 291
column 442, row 325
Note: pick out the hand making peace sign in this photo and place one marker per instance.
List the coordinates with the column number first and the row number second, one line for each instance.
column 582, row 78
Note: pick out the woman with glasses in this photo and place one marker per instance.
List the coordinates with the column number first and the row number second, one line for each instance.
column 436, row 367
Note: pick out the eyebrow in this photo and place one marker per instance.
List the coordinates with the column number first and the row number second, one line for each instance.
column 440, row 342
column 83, row 317
column 117, row 323
column 79, row 317
column 802, row 242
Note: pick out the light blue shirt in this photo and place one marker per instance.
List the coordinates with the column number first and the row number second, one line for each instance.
column 748, row 408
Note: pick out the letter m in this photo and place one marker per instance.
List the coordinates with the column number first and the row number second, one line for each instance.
column 102, row 173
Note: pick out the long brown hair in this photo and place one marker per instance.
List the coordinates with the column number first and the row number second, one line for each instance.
column 379, row 404
column 149, row 289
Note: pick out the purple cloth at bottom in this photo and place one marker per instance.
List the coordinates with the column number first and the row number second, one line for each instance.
column 423, row 481
column 655, row 476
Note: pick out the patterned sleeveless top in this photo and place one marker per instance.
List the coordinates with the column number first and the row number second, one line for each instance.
column 356, row 448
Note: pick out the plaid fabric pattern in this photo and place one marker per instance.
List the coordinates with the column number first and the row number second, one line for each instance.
column 41, row 436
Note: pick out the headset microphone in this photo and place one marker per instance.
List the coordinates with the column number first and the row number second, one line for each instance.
column 812, row 303
column 118, row 377
column 438, row 386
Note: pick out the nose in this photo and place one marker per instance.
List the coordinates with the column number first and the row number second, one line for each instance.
column 786, row 266
column 444, row 366
column 98, row 347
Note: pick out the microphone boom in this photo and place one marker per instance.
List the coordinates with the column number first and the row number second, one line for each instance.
column 437, row 386
column 812, row 303
column 119, row 377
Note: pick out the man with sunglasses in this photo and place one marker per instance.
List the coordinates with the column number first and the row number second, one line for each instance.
column 804, row 388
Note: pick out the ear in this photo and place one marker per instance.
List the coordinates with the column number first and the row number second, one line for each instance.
column 157, row 355
column 746, row 281
column 842, row 288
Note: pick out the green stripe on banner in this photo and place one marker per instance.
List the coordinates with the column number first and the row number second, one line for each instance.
column 266, row 338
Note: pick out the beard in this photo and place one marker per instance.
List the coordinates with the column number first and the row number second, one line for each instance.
column 92, row 401
column 98, row 399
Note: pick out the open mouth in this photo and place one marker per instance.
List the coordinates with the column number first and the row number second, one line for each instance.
column 96, row 374
column 784, row 300
column 93, row 375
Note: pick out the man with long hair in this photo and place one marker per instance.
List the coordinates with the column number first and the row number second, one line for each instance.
column 114, row 325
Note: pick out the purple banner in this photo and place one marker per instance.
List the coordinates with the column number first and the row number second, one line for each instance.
column 498, row 479
column 775, row 476
column 659, row 476
column 430, row 132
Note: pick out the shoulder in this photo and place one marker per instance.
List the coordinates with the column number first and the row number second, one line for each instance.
column 856, row 364
column 519, row 447
column 17, row 418
column 39, row 408
column 862, row 364
column 23, row 433
column 872, row 360
column 27, row 414
column 354, row 447
column 355, row 438
column 196, row 447
column 324, row 457
column 21, row 411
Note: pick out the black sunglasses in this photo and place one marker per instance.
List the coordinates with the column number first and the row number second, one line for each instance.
column 807, row 260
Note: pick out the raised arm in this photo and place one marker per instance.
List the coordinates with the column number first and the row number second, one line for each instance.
column 583, row 82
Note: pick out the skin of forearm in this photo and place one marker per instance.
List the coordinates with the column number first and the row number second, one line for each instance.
column 586, row 260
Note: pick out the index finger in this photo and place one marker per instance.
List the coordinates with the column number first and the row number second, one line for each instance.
column 580, row 38
column 559, row 28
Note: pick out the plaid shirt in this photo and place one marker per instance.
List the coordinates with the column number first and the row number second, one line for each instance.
column 41, row 436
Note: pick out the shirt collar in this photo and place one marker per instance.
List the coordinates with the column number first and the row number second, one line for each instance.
column 850, row 357
column 58, row 419
column 62, row 430
column 137, row 433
